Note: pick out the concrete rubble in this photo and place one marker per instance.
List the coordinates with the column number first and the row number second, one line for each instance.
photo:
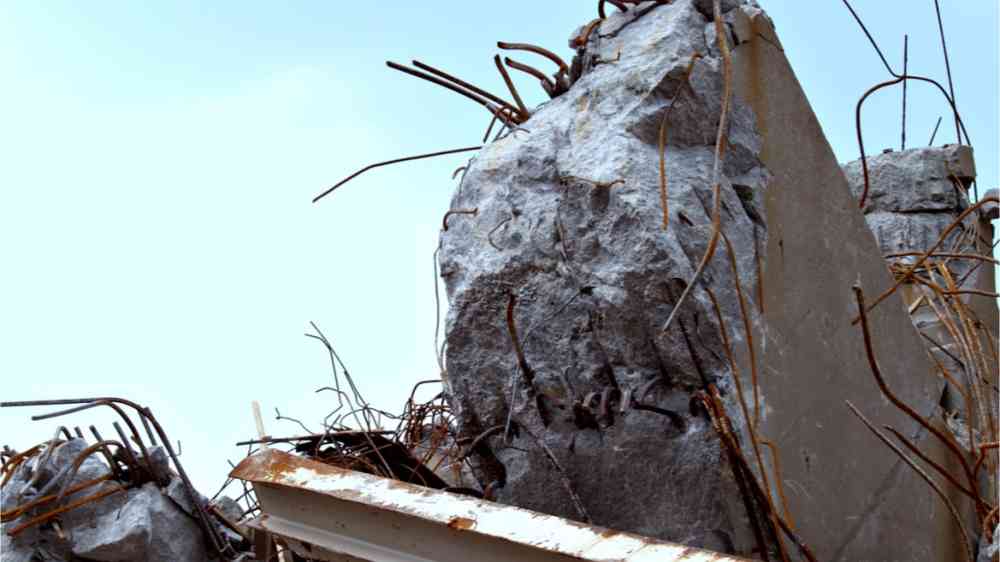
column 569, row 223
column 141, row 524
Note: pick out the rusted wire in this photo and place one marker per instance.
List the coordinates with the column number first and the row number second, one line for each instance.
column 444, row 221
column 741, row 471
column 944, row 235
column 522, row 361
column 906, row 66
column 903, row 406
column 720, row 148
column 748, row 330
column 779, row 480
column 967, row 549
column 929, row 461
column 934, row 133
column 567, row 483
column 393, row 161
column 664, row 202
column 861, row 138
column 547, row 84
column 563, row 67
column 581, row 40
column 523, row 113
column 615, row 3
column 220, row 546
column 17, row 511
column 956, row 255
column 462, row 83
column 59, row 511
column 727, row 348
column 491, row 107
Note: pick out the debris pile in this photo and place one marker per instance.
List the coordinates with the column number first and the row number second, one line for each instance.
column 113, row 500
column 613, row 354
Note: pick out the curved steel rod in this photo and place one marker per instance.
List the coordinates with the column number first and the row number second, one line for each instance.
column 472, row 88
column 563, row 67
column 394, row 161
column 547, row 84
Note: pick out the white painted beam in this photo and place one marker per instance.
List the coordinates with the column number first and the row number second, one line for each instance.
column 330, row 513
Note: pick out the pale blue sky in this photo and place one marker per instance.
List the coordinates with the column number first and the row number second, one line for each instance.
column 158, row 162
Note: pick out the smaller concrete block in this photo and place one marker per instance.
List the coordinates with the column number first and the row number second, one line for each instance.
column 910, row 232
column 916, row 180
column 148, row 527
column 990, row 211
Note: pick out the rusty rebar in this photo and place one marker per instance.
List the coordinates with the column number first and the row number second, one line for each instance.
column 522, row 109
column 861, row 138
column 492, row 108
column 17, row 511
column 547, row 84
column 720, row 148
column 664, row 202
column 930, row 462
column 393, row 161
column 59, row 511
column 934, row 134
column 947, row 65
column 751, row 430
column 930, row 481
column 944, row 235
column 906, row 66
column 444, row 221
column 563, row 67
column 903, row 406
column 615, row 3
column 462, row 83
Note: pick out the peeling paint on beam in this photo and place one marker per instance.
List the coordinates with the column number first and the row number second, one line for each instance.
column 336, row 514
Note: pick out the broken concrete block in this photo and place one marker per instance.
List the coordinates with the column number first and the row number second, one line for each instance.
column 916, row 180
column 990, row 210
column 570, row 222
column 147, row 527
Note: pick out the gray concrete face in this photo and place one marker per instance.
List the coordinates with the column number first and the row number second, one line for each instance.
column 853, row 500
column 570, row 221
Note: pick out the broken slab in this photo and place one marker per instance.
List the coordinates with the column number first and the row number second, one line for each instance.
column 851, row 497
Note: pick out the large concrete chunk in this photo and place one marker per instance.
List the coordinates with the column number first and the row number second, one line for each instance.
column 570, row 222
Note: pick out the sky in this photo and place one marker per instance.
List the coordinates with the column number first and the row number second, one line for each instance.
column 158, row 160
